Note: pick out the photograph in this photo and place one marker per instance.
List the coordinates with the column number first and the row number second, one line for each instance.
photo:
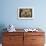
column 25, row 13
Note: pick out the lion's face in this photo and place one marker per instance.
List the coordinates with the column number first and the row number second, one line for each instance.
column 26, row 13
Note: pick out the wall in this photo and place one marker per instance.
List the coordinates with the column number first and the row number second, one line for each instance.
column 9, row 13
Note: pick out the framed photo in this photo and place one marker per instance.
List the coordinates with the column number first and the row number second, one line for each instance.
column 25, row 13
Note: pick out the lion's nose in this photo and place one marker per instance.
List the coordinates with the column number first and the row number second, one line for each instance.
column 25, row 12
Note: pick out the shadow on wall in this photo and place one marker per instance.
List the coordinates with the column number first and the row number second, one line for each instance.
column 2, row 27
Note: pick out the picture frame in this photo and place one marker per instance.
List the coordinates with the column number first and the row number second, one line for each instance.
column 25, row 13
